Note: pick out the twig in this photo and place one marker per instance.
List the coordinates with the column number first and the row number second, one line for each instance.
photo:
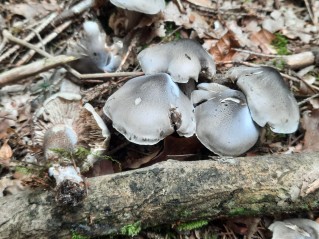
column 106, row 74
column 74, row 11
column 25, row 71
column 310, row 11
column 308, row 99
column 32, row 34
column 256, row 53
column 47, row 39
column 180, row 6
column 10, row 37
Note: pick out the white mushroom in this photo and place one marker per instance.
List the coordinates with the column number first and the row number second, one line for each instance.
column 269, row 99
column 144, row 6
column 297, row 228
column 62, row 124
column 223, row 121
column 148, row 108
column 93, row 52
column 182, row 59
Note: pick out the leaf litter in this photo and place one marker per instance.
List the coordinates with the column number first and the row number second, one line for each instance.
column 221, row 27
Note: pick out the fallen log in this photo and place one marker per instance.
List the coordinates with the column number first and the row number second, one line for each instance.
column 168, row 192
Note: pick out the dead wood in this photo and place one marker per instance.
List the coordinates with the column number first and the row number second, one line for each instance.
column 18, row 73
column 168, row 192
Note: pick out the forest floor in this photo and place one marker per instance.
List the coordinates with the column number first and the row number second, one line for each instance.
column 238, row 32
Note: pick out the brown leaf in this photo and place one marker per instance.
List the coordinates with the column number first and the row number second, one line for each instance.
column 5, row 153
column 223, row 51
column 244, row 225
column 263, row 40
column 178, row 148
column 310, row 122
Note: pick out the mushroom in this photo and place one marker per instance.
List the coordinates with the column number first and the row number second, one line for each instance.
column 146, row 109
column 269, row 99
column 144, row 6
column 298, row 228
column 63, row 125
column 183, row 60
column 94, row 56
column 223, row 121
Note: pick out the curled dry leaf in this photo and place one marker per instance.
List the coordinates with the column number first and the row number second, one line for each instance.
column 223, row 51
column 5, row 153
column 263, row 40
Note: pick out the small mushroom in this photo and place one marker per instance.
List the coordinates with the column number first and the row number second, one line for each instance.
column 223, row 121
column 269, row 99
column 63, row 124
column 295, row 228
column 146, row 109
column 182, row 59
column 144, row 6
column 94, row 56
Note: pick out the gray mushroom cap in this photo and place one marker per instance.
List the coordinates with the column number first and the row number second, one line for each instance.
column 148, row 108
column 269, row 99
column 296, row 228
column 183, row 60
column 94, row 56
column 223, row 121
column 144, row 6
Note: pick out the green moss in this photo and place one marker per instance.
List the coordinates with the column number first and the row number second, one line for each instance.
column 280, row 43
column 187, row 226
column 79, row 154
column 237, row 211
column 132, row 229
column 23, row 170
column 171, row 33
column 185, row 213
column 78, row 236
column 279, row 63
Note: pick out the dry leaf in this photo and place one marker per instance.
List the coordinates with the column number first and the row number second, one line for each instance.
column 262, row 40
column 223, row 51
column 32, row 9
column 5, row 153
column 178, row 148
column 244, row 225
column 190, row 20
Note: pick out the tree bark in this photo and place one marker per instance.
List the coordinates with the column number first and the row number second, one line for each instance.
column 168, row 192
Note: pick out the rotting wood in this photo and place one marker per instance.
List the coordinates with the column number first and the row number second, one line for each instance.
column 168, row 192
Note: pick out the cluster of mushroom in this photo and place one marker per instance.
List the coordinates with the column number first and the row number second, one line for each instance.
column 148, row 108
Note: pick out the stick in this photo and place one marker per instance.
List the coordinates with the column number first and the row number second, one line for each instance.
column 18, row 73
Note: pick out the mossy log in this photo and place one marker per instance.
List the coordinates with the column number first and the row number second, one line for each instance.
column 168, row 192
